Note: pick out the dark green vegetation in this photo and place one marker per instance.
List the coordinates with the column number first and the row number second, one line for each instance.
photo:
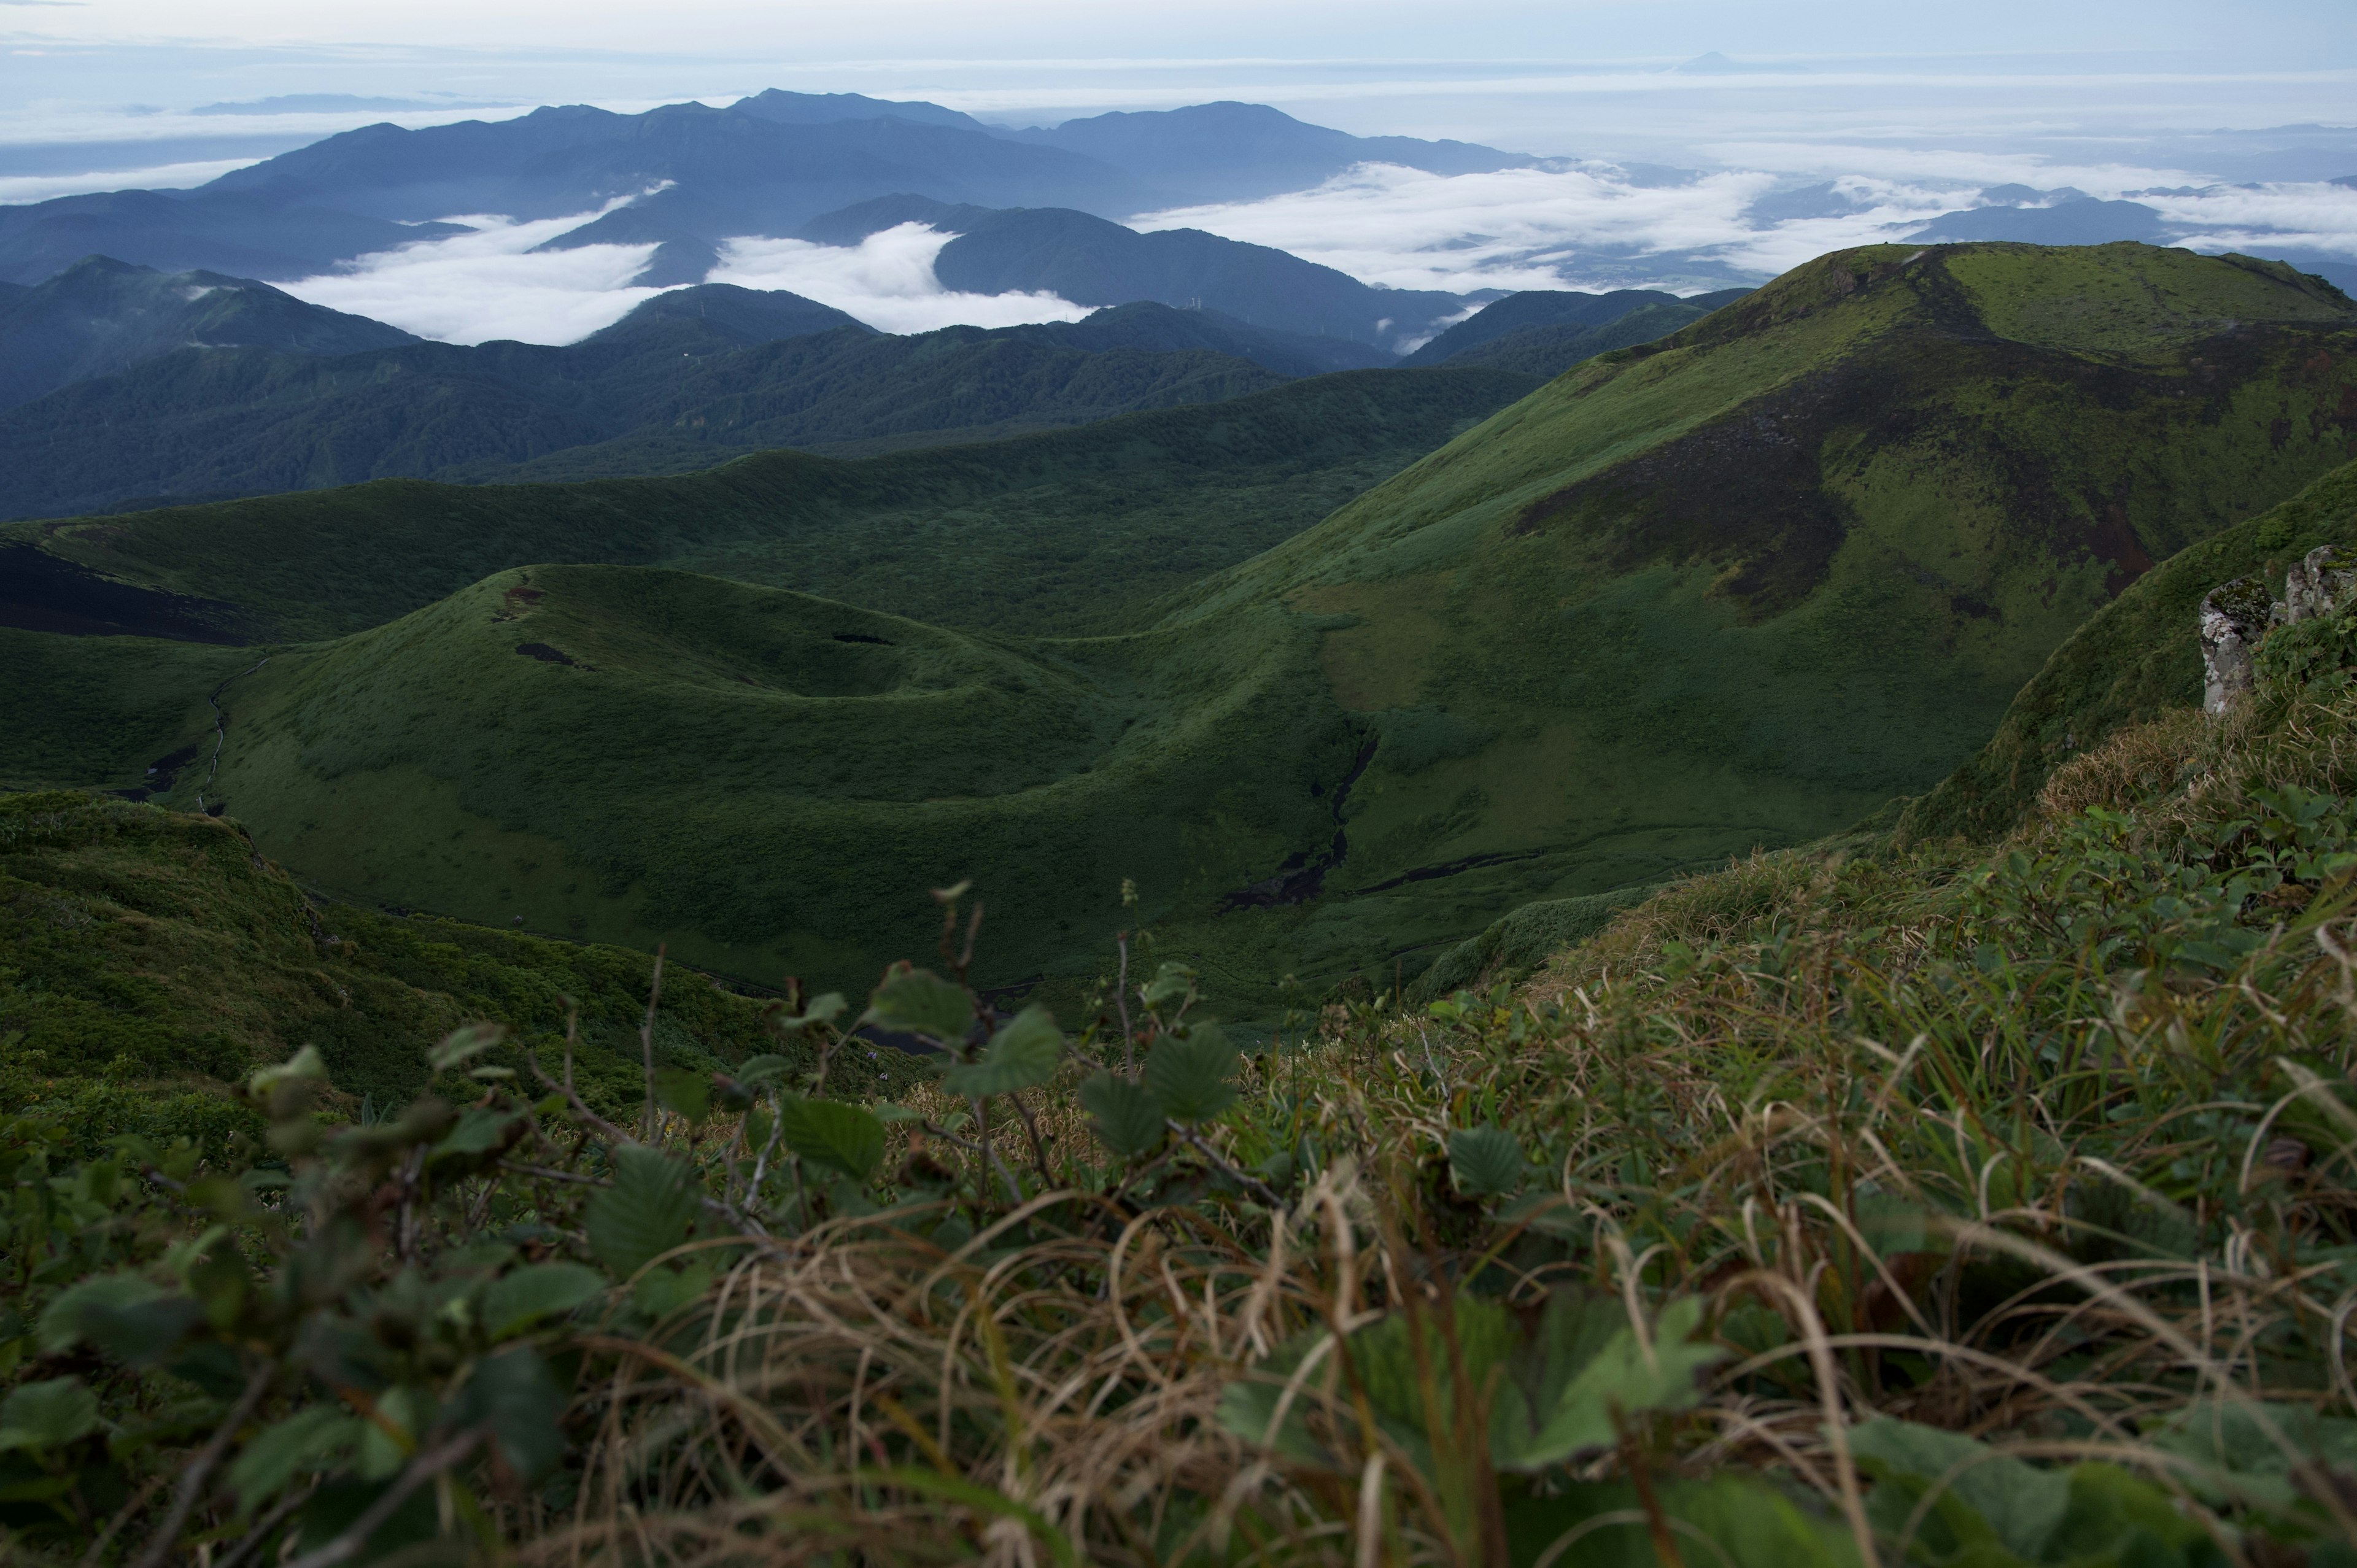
column 1062, row 531
column 1737, row 587
column 144, row 946
column 1547, row 331
column 1977, row 1207
column 687, row 380
column 100, row 316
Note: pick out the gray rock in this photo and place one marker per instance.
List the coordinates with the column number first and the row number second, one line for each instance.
column 2234, row 616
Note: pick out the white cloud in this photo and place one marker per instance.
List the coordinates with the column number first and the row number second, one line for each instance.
column 886, row 281
column 472, row 288
column 164, row 176
column 1534, row 228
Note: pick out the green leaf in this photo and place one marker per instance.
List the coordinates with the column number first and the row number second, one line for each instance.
column 1172, row 980
column 1486, row 1160
column 480, row 1130
column 522, row 1298
column 61, row 1321
column 754, row 1072
column 462, row 1046
column 48, row 1415
column 827, row 1009
column 1128, row 1119
column 308, row 1440
column 686, row 1090
column 827, row 1132
column 1188, row 1074
column 1620, row 1376
column 123, row 1315
column 514, row 1395
column 919, row 1002
column 644, row 1214
column 1024, row 1053
column 1987, row 1493
column 665, row 1288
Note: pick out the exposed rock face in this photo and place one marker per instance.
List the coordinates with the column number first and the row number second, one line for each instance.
column 2319, row 584
column 2235, row 615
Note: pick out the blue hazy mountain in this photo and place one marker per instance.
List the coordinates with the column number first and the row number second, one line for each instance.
column 765, row 164
column 246, row 233
column 101, row 315
column 689, row 379
column 1228, row 152
column 1091, row 260
column 2082, row 221
column 1539, row 309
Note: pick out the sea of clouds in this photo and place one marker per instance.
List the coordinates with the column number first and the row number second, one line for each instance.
column 1584, row 227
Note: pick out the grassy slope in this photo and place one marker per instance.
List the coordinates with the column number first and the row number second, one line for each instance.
column 1731, row 590
column 153, row 945
column 1061, row 530
column 2135, row 658
column 1741, row 586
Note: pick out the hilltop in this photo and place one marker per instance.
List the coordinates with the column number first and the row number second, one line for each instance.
column 1736, row 588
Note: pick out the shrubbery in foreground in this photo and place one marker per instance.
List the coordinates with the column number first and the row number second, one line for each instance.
column 1923, row 1206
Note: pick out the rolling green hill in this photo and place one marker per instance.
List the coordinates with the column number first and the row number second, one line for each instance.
column 1065, row 530
column 1737, row 587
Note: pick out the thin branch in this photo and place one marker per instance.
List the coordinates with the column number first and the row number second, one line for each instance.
column 200, row 1468
column 422, row 1469
column 647, row 1042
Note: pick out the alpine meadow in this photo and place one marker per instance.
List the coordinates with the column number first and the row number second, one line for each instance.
column 1071, row 881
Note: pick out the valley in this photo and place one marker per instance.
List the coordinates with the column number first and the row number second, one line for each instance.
column 1738, row 586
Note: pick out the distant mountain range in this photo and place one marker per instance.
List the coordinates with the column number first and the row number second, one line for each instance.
column 127, row 386
column 1090, row 261
column 101, row 315
column 765, row 164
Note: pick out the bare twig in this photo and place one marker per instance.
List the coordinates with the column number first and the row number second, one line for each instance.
column 647, row 1043
column 200, row 1468
column 422, row 1469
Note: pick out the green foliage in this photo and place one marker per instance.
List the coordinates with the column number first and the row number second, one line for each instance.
column 1127, row 1117
column 1190, row 1074
column 648, row 1210
column 1486, row 1160
column 847, row 1138
column 919, row 1002
column 1023, row 1052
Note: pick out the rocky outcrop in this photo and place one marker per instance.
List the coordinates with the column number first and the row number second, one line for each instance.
column 2237, row 615
column 2234, row 616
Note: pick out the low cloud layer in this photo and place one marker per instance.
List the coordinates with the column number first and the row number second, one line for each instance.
column 885, row 281
column 472, row 288
column 1599, row 227
column 164, row 176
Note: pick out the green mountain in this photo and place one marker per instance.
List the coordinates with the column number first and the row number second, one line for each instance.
column 1538, row 319
column 1736, row 588
column 101, row 315
column 689, row 380
column 2133, row 661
